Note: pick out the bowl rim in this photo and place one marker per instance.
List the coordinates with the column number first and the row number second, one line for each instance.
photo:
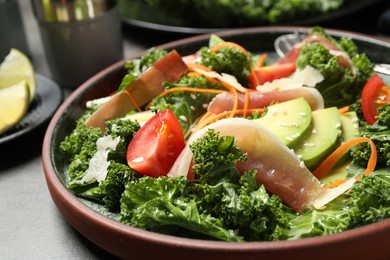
column 58, row 190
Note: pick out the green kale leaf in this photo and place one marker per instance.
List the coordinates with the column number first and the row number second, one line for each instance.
column 228, row 60
column 163, row 205
column 379, row 133
column 81, row 146
column 215, row 158
column 341, row 85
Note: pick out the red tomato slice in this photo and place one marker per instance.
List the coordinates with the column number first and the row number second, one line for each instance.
column 375, row 94
column 269, row 73
column 157, row 144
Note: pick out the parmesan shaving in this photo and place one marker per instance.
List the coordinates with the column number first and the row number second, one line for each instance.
column 98, row 165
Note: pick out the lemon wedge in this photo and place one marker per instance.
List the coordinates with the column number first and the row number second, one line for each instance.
column 14, row 103
column 15, row 68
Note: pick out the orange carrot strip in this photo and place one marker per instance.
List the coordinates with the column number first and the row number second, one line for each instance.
column 343, row 110
column 260, row 62
column 205, row 121
column 335, row 184
column 204, row 117
column 193, row 74
column 233, row 91
column 199, row 74
column 194, row 66
column 209, row 118
column 189, row 89
column 229, row 44
column 132, row 100
column 235, row 104
column 332, row 159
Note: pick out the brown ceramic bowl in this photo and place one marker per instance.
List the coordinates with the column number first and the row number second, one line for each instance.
column 92, row 221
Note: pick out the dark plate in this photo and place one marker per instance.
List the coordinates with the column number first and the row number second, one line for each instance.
column 99, row 226
column 45, row 103
column 142, row 17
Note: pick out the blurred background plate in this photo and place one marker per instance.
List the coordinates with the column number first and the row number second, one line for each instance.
column 193, row 17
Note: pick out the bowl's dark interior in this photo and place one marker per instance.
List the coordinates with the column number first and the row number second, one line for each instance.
column 256, row 40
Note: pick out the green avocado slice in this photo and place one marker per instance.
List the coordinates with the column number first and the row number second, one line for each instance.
column 322, row 139
column 349, row 125
column 289, row 120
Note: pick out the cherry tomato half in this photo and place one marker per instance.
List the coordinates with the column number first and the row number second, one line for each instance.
column 269, row 73
column 156, row 145
column 375, row 94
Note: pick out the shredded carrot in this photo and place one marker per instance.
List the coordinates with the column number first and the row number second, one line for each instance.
column 194, row 66
column 260, row 62
column 229, row 44
column 343, row 110
column 206, row 120
column 193, row 74
column 335, row 184
column 253, row 78
column 132, row 99
column 189, row 89
column 332, row 159
column 204, row 117
column 209, row 118
column 233, row 91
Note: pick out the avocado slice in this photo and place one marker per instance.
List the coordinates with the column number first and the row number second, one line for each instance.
column 349, row 125
column 322, row 139
column 350, row 130
column 289, row 120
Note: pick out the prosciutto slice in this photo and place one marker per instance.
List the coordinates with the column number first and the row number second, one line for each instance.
column 258, row 99
column 147, row 86
column 290, row 180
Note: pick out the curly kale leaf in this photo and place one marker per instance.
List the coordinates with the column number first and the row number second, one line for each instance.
column 215, row 157
column 125, row 129
column 341, row 85
column 337, row 87
column 367, row 202
column 109, row 191
column 114, row 185
column 82, row 140
column 384, row 115
column 81, row 146
column 333, row 219
column 163, row 205
column 228, row 60
column 379, row 133
column 371, row 198
column 245, row 206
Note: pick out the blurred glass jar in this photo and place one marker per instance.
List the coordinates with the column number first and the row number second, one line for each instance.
column 11, row 28
column 80, row 37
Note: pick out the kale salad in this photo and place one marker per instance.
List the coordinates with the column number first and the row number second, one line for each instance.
column 227, row 144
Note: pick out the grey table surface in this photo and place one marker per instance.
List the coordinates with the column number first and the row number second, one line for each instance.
column 31, row 227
